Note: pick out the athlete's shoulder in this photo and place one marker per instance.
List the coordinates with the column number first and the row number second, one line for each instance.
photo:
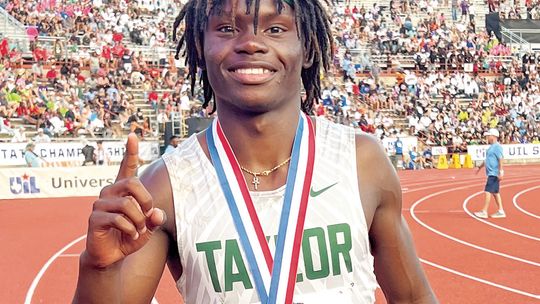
column 156, row 180
column 368, row 147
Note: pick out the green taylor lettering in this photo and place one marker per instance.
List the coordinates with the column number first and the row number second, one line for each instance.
column 233, row 256
column 318, row 235
column 208, row 249
column 329, row 256
column 340, row 249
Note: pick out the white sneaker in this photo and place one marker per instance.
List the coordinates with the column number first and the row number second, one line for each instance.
column 481, row 214
column 498, row 214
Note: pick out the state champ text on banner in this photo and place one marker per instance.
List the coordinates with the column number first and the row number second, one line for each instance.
column 11, row 154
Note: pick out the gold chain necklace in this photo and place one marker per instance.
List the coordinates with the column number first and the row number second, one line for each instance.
column 256, row 181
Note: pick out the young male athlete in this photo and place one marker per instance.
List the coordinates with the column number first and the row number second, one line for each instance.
column 267, row 205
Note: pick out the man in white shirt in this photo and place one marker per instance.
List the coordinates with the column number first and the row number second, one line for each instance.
column 19, row 136
column 57, row 124
column 41, row 137
column 5, row 129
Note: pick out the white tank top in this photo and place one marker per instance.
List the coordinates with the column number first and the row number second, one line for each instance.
column 335, row 266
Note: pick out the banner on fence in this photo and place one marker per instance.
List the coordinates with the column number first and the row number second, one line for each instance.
column 12, row 154
column 439, row 150
column 55, row 182
column 518, row 151
column 408, row 143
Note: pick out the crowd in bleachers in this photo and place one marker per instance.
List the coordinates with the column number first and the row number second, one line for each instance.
column 513, row 9
column 459, row 85
column 92, row 23
column 87, row 90
column 448, row 57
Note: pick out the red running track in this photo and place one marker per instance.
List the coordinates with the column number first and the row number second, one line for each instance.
column 467, row 260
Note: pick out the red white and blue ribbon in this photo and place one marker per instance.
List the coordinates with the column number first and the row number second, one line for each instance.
column 274, row 277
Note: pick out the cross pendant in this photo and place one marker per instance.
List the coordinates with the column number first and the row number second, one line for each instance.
column 255, row 181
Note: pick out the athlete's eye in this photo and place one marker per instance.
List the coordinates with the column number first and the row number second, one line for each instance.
column 276, row 30
column 226, row 29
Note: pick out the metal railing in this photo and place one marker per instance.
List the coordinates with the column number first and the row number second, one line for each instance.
column 13, row 27
column 515, row 37
column 11, row 22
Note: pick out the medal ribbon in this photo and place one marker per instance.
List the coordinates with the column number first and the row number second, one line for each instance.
column 274, row 278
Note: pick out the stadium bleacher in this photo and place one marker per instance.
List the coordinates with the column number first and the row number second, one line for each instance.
column 118, row 59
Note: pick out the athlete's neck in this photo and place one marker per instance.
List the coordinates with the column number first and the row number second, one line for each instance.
column 260, row 141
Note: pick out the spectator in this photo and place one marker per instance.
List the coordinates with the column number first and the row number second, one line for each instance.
column 88, row 152
column 30, row 157
column 41, row 137
column 19, row 135
column 101, row 155
column 173, row 143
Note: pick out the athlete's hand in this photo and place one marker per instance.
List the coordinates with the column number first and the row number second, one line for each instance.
column 123, row 219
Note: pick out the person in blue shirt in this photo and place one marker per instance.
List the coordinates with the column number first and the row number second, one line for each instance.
column 397, row 156
column 173, row 143
column 31, row 158
column 413, row 158
column 495, row 173
column 427, row 158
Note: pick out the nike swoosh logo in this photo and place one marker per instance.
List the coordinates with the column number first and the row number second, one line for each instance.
column 314, row 193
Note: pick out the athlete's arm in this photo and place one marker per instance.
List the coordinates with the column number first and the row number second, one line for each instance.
column 397, row 266
column 115, row 268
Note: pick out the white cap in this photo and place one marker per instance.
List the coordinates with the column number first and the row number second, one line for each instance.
column 493, row 132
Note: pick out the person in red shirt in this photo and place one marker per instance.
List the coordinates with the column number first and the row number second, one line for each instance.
column 154, row 73
column 4, row 47
column 22, row 109
column 36, row 53
column 153, row 99
column 321, row 111
column 70, row 126
column 118, row 50
column 117, row 37
column 356, row 89
column 106, row 52
column 52, row 74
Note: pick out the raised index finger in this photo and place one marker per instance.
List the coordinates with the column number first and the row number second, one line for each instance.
column 130, row 162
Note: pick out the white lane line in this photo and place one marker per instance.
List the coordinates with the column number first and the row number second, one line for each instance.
column 411, row 183
column 41, row 272
column 418, row 202
column 515, row 202
column 468, row 276
column 527, row 236
column 440, row 181
column 460, row 182
column 436, row 211
column 70, row 255
column 441, row 184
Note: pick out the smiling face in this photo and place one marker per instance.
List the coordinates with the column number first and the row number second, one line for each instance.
column 254, row 71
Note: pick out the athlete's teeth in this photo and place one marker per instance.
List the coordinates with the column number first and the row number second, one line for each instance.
column 257, row 71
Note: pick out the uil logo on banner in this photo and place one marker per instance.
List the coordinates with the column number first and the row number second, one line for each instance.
column 23, row 184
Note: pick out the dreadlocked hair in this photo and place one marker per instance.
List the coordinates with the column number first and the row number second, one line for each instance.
column 312, row 24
